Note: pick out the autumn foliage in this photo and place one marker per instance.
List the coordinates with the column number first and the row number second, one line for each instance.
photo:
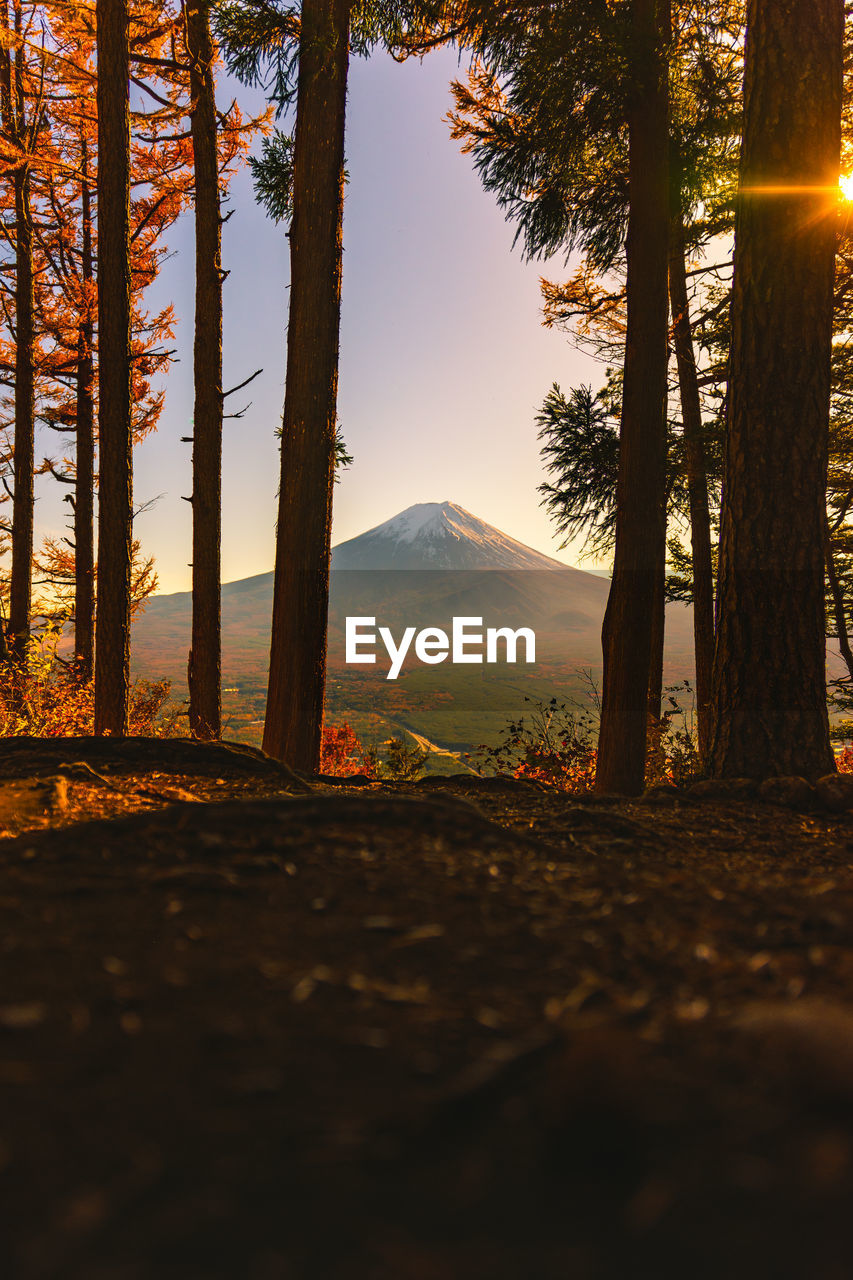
column 45, row 698
column 49, row 270
column 342, row 753
column 554, row 744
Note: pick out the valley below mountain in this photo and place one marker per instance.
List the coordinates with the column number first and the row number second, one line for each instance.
column 421, row 569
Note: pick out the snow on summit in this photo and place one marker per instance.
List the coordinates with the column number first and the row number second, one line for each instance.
column 437, row 535
column 406, row 526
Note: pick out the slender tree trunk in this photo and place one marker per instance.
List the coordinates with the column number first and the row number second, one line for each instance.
column 697, row 478
column 640, row 528
column 9, row 127
column 20, row 600
column 301, row 595
column 205, row 656
column 655, row 759
column 769, row 694
column 84, row 490
column 112, row 658
column 838, row 612
column 657, row 642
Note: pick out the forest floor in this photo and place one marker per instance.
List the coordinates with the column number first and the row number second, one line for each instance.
column 459, row 1029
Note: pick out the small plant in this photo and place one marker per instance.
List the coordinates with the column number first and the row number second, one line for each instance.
column 672, row 755
column 45, row 697
column 839, row 698
column 343, row 754
column 403, row 761
column 554, row 743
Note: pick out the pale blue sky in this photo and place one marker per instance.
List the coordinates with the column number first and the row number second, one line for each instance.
column 443, row 357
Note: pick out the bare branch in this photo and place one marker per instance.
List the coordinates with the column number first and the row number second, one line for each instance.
column 240, row 385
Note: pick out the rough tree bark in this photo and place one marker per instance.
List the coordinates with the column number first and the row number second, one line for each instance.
column 204, row 667
column 112, row 656
column 697, row 479
column 640, row 526
column 769, row 697
column 14, row 110
column 20, row 594
column 84, row 481
column 301, row 593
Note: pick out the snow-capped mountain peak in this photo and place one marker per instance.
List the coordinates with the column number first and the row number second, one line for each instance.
column 413, row 522
column 437, row 535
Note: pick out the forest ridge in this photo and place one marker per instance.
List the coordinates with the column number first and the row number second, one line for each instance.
column 692, row 156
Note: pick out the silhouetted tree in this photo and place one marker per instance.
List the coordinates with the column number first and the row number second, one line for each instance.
column 547, row 118
column 697, row 476
column 580, row 451
column 112, row 658
column 769, row 703
column 205, row 656
column 264, row 42
column 303, row 539
column 84, row 489
column 20, row 121
column 636, row 589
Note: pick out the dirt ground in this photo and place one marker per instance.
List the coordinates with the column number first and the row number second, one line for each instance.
column 257, row 1028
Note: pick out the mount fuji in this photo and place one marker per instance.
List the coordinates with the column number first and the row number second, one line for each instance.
column 423, row 567
column 384, row 570
column 437, row 535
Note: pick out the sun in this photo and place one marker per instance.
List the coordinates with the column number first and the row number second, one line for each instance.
column 845, row 183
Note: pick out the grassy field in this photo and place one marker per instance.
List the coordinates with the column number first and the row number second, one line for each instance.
column 456, row 707
column 447, row 706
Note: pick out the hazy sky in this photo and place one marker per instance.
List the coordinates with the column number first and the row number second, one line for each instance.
column 444, row 361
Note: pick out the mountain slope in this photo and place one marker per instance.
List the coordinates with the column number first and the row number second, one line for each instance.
column 429, row 564
column 437, row 535
column 420, row 568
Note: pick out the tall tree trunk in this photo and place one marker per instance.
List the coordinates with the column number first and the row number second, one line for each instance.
column 20, row 600
column 112, row 657
column 640, row 528
column 697, row 477
column 84, row 490
column 301, row 594
column 769, row 694
column 205, row 656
